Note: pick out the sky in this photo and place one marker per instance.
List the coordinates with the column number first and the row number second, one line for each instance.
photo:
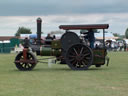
column 23, row 13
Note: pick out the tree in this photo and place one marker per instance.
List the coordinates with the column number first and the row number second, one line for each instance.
column 126, row 33
column 116, row 34
column 23, row 30
column 119, row 35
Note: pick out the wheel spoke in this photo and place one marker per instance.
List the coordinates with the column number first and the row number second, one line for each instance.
column 25, row 65
column 75, row 51
column 86, row 54
column 81, row 50
column 72, row 56
column 72, row 59
column 72, row 53
column 85, row 51
column 74, row 62
column 22, row 65
column 83, row 63
column 87, row 58
column 79, row 64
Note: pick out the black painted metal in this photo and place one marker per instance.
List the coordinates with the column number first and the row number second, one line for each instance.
column 68, row 39
column 79, row 57
column 39, row 21
column 29, row 64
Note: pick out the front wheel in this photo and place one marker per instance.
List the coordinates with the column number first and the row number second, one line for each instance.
column 25, row 65
column 79, row 57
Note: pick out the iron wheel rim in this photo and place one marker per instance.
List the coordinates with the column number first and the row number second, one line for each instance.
column 79, row 57
column 25, row 66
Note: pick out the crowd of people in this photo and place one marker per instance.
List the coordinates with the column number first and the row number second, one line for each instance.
column 47, row 39
column 89, row 36
column 110, row 45
column 116, row 46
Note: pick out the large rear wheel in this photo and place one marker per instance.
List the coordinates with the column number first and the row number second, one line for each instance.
column 79, row 57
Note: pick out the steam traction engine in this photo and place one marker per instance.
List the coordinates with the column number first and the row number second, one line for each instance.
column 70, row 48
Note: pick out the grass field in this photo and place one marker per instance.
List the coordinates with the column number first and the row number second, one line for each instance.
column 59, row 80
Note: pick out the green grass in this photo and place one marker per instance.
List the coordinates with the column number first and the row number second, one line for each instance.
column 59, row 80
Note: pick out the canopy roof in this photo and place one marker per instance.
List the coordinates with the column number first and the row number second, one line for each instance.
column 78, row 27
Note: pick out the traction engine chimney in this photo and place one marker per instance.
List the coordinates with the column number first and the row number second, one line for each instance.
column 39, row 21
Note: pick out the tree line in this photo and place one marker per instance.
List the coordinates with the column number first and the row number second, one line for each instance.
column 24, row 30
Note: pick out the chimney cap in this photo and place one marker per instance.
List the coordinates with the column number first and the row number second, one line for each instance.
column 39, row 19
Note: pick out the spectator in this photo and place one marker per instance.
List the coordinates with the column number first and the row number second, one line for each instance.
column 49, row 37
column 110, row 47
column 125, row 46
column 121, row 46
column 54, row 37
column 48, row 40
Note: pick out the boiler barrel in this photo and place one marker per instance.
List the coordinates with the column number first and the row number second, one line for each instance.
column 47, row 51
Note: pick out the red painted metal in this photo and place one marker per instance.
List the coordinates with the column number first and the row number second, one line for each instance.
column 78, row 27
column 38, row 21
column 25, row 50
column 25, row 61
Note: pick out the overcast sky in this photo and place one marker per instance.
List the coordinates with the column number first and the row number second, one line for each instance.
column 17, row 13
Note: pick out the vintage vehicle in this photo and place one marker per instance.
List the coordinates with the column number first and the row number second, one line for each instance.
column 71, row 49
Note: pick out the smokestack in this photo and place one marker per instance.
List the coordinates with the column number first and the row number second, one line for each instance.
column 39, row 21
